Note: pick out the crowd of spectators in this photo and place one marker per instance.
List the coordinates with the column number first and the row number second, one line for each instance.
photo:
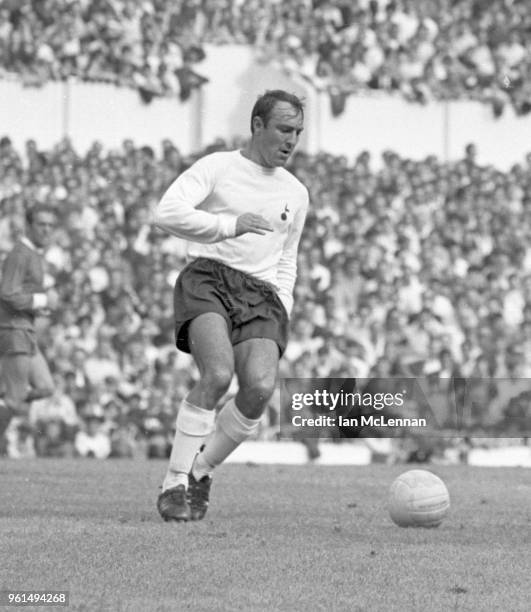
column 423, row 50
column 406, row 268
column 151, row 46
column 420, row 49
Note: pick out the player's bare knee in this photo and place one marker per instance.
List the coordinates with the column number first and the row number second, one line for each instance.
column 258, row 391
column 217, row 380
column 48, row 390
column 43, row 390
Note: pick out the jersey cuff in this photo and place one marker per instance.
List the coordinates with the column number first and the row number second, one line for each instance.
column 40, row 300
column 227, row 225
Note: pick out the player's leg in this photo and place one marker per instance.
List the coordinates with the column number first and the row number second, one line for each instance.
column 212, row 351
column 15, row 375
column 213, row 354
column 256, row 363
column 40, row 378
column 5, row 413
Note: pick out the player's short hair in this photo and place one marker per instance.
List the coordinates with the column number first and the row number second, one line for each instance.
column 39, row 208
column 264, row 105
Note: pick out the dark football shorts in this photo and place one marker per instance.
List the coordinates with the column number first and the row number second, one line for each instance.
column 17, row 341
column 250, row 306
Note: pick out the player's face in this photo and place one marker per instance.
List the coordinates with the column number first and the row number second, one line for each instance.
column 276, row 141
column 41, row 230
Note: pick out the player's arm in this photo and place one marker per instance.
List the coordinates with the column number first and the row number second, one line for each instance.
column 12, row 290
column 287, row 265
column 177, row 212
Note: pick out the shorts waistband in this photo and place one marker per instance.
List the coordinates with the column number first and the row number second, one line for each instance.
column 243, row 275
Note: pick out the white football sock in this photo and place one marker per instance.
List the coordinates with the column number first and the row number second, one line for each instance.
column 201, row 467
column 174, row 479
column 232, row 428
column 193, row 425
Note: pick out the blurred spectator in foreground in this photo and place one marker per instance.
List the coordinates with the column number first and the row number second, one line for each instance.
column 124, row 440
column 20, row 443
column 55, row 422
column 93, row 439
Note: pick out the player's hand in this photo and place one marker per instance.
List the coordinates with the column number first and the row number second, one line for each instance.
column 251, row 223
column 53, row 299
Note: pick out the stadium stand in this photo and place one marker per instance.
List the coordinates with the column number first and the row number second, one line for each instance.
column 420, row 49
column 418, row 268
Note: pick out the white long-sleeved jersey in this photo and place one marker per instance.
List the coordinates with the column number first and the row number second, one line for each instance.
column 204, row 202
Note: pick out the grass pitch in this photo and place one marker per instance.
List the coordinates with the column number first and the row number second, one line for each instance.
column 275, row 538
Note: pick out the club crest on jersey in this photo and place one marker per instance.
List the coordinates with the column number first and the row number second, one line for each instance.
column 284, row 215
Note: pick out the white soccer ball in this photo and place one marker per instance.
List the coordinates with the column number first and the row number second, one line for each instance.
column 418, row 498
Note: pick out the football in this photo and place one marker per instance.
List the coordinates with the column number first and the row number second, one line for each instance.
column 418, row 498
